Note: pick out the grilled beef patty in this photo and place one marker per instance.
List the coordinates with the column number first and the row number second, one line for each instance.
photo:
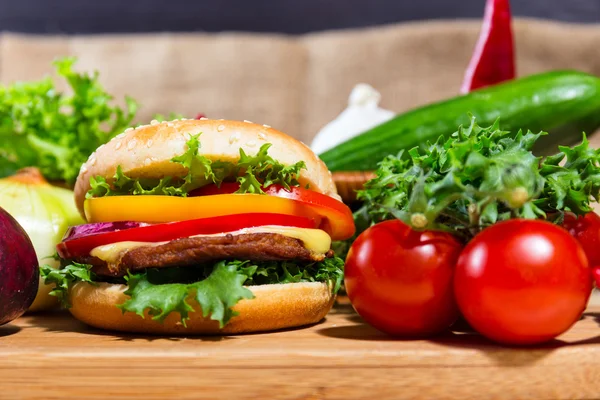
column 193, row 251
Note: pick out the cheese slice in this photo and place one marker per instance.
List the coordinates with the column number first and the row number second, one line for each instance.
column 315, row 240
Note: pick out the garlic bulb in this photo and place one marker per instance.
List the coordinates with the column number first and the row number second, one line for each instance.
column 362, row 114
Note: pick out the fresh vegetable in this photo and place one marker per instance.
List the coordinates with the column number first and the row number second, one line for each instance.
column 56, row 132
column 18, row 269
column 522, row 282
column 252, row 173
column 481, row 176
column 45, row 212
column 81, row 245
column 493, row 60
column 400, row 280
column 520, row 279
column 362, row 113
column 336, row 218
column 564, row 103
column 586, row 229
column 217, row 287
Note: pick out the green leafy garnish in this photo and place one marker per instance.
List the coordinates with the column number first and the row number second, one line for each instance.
column 216, row 287
column 56, row 132
column 251, row 172
column 63, row 278
column 480, row 176
column 216, row 294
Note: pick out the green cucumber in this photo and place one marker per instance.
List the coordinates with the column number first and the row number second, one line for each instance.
column 562, row 103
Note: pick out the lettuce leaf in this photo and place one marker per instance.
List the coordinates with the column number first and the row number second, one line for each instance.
column 216, row 287
column 251, row 172
column 63, row 278
column 56, row 132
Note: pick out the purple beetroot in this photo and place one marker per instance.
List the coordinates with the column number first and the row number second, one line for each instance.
column 19, row 273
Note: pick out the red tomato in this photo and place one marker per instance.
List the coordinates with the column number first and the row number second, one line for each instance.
column 400, row 280
column 586, row 229
column 337, row 217
column 522, row 282
column 175, row 230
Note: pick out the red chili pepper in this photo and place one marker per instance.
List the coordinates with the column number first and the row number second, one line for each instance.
column 493, row 60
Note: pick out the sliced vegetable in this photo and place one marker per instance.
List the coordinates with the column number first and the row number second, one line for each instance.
column 82, row 244
column 336, row 216
column 563, row 103
column 522, row 282
column 493, row 60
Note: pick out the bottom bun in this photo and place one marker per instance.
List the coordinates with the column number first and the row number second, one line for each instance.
column 274, row 307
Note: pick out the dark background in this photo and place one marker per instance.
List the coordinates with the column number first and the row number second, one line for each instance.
column 287, row 16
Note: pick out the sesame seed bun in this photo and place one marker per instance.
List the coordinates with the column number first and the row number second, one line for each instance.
column 274, row 307
column 146, row 151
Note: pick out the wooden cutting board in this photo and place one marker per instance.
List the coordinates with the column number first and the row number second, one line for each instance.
column 53, row 356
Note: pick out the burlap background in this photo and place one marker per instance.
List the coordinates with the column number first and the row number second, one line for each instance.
column 294, row 83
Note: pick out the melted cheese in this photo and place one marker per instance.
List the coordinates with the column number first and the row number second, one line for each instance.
column 314, row 240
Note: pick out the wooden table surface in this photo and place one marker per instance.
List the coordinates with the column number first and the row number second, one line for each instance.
column 53, row 356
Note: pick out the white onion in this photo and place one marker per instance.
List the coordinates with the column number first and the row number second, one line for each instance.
column 45, row 212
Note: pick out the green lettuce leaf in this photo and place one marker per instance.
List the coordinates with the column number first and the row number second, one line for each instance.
column 55, row 131
column 66, row 276
column 251, row 172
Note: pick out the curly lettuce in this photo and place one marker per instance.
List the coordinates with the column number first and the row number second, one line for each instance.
column 252, row 172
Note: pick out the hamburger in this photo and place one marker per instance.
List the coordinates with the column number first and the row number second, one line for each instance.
column 202, row 227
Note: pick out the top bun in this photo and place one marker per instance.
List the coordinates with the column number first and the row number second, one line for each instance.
column 146, row 151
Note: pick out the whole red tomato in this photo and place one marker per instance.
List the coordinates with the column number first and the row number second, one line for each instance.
column 586, row 229
column 400, row 280
column 522, row 281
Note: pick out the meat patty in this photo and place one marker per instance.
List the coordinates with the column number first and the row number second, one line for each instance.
column 192, row 251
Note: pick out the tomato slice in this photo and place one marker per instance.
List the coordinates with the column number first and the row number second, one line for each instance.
column 330, row 215
column 175, row 230
column 337, row 218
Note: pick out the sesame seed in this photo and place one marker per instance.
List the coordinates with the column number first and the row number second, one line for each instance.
column 147, row 161
column 92, row 161
column 221, row 128
column 248, row 122
column 83, row 169
column 234, row 138
column 221, row 119
column 127, row 130
column 170, row 124
column 203, row 119
column 131, row 144
column 251, row 143
column 266, row 126
column 118, row 145
column 149, row 143
column 262, row 136
column 154, row 122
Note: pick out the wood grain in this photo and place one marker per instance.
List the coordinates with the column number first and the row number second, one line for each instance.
column 54, row 357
